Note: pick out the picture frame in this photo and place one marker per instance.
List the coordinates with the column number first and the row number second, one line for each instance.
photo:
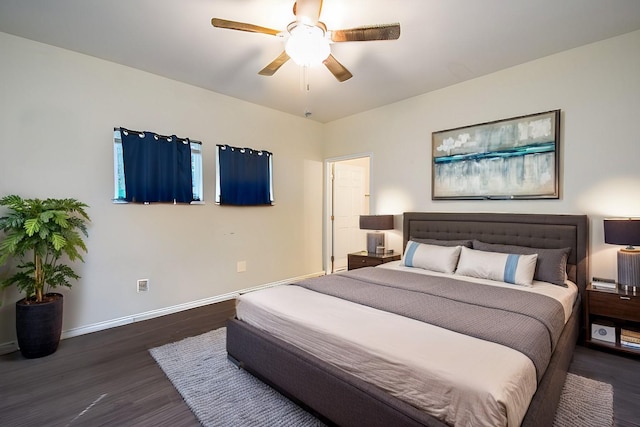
column 515, row 158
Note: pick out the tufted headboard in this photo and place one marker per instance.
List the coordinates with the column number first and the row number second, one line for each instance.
column 534, row 230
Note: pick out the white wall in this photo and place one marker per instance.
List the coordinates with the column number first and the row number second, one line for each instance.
column 597, row 87
column 58, row 109
column 57, row 113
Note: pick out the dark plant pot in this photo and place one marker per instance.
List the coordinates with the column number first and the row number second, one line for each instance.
column 39, row 326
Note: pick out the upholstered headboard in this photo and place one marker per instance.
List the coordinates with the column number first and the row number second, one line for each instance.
column 534, row 230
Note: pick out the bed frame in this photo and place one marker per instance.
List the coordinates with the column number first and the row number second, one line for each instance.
column 340, row 399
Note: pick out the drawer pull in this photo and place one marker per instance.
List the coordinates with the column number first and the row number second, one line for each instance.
column 626, row 298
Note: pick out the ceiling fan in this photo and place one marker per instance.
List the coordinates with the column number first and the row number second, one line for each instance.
column 308, row 40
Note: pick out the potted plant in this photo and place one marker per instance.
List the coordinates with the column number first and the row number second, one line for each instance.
column 38, row 233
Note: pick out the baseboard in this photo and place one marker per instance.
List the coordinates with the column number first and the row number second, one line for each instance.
column 8, row 347
column 12, row 346
column 95, row 327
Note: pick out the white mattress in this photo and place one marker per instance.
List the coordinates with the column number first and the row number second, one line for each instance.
column 459, row 379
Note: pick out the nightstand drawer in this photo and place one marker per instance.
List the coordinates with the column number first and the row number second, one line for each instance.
column 625, row 307
column 363, row 261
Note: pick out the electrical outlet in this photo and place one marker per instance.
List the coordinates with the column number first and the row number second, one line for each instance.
column 143, row 285
column 241, row 266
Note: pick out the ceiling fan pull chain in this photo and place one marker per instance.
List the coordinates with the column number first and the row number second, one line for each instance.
column 304, row 78
column 306, row 88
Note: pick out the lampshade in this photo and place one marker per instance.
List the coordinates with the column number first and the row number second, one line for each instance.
column 307, row 45
column 622, row 231
column 376, row 222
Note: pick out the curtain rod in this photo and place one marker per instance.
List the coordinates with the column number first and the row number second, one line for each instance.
column 245, row 148
column 137, row 132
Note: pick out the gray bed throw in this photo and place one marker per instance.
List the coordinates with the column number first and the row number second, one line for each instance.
column 527, row 322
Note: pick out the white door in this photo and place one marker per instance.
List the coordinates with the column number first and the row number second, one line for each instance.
column 350, row 200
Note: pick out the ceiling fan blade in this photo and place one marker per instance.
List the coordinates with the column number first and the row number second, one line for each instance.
column 270, row 69
column 307, row 11
column 337, row 69
column 242, row 26
column 373, row 32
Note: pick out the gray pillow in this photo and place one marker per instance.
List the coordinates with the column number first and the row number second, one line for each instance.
column 551, row 266
column 465, row 243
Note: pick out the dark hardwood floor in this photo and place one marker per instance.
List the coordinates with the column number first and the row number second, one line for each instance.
column 108, row 378
column 620, row 371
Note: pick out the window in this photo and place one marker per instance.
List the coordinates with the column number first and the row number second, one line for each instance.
column 244, row 176
column 120, row 187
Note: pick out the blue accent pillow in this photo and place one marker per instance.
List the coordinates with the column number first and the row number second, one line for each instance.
column 551, row 266
column 431, row 257
column 516, row 269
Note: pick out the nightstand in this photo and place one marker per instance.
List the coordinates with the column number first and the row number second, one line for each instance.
column 365, row 259
column 616, row 309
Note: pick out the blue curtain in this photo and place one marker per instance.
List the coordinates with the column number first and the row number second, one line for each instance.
column 157, row 168
column 245, row 176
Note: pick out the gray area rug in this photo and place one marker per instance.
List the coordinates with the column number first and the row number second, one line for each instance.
column 219, row 394
column 585, row 402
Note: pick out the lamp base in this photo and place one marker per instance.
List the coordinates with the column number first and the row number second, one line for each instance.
column 629, row 268
column 374, row 240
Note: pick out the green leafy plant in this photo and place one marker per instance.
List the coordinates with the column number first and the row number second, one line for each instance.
column 44, row 230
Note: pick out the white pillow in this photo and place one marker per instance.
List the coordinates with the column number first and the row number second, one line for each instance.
column 431, row 257
column 509, row 268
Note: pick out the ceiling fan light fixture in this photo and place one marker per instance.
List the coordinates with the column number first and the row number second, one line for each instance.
column 307, row 44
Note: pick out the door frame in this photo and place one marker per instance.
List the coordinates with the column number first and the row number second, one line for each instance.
column 327, row 206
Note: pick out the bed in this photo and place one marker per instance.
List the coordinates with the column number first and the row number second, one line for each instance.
column 344, row 395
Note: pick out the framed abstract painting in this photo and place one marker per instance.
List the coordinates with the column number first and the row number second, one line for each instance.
column 516, row 158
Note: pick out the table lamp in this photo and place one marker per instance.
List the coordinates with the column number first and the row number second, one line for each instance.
column 625, row 231
column 377, row 223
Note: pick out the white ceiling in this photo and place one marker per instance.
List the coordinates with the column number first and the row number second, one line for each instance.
column 442, row 42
